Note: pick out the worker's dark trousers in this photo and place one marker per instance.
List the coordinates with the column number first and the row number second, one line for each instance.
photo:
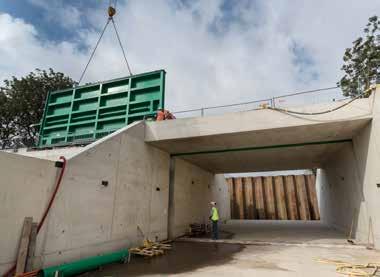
column 215, row 229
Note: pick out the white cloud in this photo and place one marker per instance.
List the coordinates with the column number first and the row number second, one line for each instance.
column 22, row 52
column 59, row 12
column 251, row 58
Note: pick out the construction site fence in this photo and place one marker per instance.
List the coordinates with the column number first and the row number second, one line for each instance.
column 318, row 96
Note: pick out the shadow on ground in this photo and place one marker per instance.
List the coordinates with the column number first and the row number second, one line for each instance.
column 183, row 257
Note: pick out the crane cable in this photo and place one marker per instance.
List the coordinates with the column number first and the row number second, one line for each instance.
column 111, row 13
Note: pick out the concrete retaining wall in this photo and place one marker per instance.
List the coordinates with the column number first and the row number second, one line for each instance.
column 342, row 198
column 351, row 191
column 367, row 155
column 87, row 217
column 192, row 187
column 25, row 186
column 221, row 196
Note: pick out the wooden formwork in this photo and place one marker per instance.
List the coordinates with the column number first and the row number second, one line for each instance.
column 292, row 197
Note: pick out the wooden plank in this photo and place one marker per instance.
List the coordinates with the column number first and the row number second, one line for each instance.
column 230, row 185
column 259, row 198
column 270, row 208
column 239, row 197
column 280, row 198
column 303, row 206
column 291, row 198
column 32, row 248
column 24, row 244
column 312, row 197
column 248, row 195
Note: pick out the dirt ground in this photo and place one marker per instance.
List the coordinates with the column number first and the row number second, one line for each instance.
column 209, row 259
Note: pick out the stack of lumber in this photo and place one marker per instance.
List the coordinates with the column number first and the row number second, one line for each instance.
column 345, row 268
column 150, row 249
column 198, row 229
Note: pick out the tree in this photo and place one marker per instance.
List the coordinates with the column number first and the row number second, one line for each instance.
column 7, row 126
column 362, row 61
column 22, row 104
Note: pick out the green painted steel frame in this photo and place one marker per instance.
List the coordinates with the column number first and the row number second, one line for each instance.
column 89, row 112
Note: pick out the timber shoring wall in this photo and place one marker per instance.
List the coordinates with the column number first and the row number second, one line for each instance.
column 292, row 197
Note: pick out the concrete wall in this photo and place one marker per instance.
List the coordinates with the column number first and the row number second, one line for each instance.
column 367, row 155
column 221, row 196
column 350, row 191
column 25, row 186
column 192, row 193
column 342, row 199
column 88, row 218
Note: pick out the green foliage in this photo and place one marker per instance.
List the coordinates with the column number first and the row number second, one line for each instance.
column 7, row 126
column 362, row 61
column 22, row 103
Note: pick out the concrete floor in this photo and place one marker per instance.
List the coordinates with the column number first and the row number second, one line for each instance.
column 283, row 231
column 208, row 259
column 221, row 259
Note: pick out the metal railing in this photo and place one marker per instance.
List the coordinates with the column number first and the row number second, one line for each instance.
column 310, row 97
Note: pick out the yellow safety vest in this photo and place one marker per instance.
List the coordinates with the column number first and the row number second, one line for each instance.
column 215, row 214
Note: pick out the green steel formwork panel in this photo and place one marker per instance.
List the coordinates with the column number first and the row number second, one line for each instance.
column 89, row 112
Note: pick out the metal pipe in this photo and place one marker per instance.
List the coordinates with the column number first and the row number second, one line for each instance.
column 84, row 265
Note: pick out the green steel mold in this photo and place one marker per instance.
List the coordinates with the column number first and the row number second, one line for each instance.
column 89, row 112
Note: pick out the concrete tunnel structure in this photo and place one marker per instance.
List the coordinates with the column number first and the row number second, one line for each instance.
column 151, row 179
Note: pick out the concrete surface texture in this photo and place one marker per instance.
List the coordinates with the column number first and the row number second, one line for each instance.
column 284, row 231
column 192, row 197
column 49, row 154
column 351, row 189
column 343, row 204
column 88, row 218
column 221, row 196
column 26, row 184
column 208, row 259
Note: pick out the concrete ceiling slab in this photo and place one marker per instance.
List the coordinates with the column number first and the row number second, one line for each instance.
column 261, row 140
column 320, row 132
column 257, row 128
column 287, row 158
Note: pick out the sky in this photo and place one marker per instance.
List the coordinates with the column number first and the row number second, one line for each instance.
column 215, row 52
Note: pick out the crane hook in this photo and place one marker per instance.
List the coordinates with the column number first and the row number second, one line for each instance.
column 111, row 11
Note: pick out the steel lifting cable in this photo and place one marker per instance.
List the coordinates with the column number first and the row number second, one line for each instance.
column 111, row 13
column 93, row 51
column 121, row 46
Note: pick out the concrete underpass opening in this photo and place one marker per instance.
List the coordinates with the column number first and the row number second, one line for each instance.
column 341, row 144
column 321, row 204
column 277, row 206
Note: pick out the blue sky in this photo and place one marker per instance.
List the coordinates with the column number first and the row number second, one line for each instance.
column 215, row 52
column 35, row 14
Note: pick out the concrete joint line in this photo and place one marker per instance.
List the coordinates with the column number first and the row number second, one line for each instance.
column 261, row 147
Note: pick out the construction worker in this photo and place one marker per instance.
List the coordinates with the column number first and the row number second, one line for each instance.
column 164, row 115
column 214, row 217
column 160, row 115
